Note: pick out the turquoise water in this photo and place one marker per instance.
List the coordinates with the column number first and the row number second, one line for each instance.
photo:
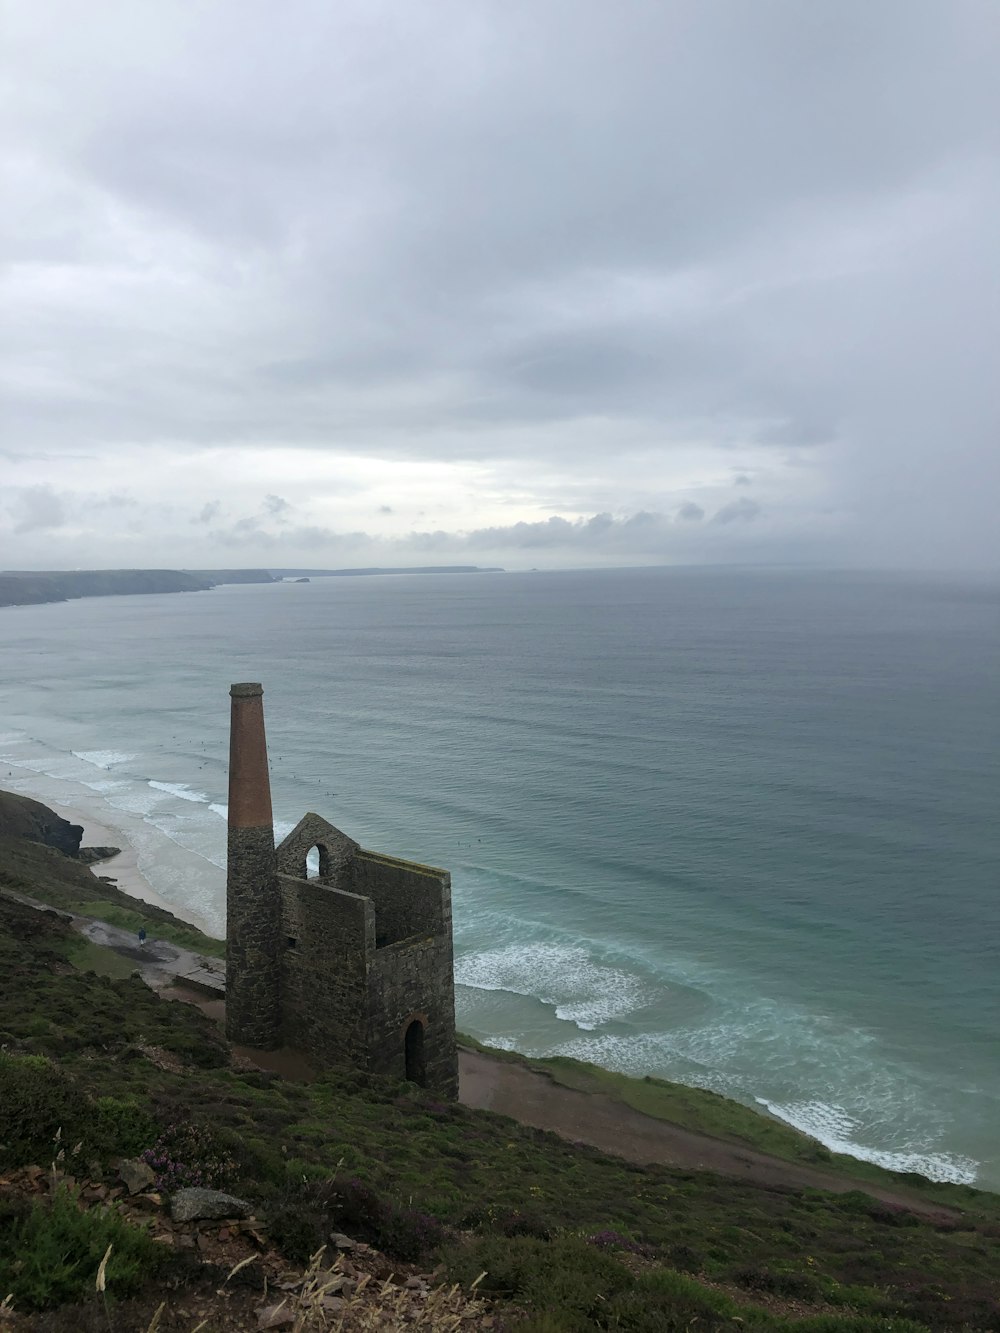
column 736, row 828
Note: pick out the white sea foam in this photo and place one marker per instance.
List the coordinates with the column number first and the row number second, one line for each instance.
column 836, row 1128
column 103, row 758
column 219, row 808
column 566, row 977
column 180, row 789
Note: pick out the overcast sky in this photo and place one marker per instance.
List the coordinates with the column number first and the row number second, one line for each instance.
column 529, row 282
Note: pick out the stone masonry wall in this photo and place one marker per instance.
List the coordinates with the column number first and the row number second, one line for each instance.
column 411, row 979
column 327, row 938
column 409, row 899
column 335, row 850
column 253, row 998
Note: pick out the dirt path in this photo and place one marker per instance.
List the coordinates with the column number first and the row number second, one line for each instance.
column 594, row 1118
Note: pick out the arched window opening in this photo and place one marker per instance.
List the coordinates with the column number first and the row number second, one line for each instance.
column 317, row 862
column 416, row 1068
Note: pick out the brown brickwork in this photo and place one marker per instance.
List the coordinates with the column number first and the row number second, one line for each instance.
column 253, row 966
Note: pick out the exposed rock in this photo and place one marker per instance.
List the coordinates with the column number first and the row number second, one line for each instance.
column 21, row 817
column 275, row 1316
column 193, row 1205
column 91, row 855
column 137, row 1175
column 342, row 1242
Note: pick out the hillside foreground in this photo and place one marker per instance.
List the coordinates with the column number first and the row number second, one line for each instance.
column 100, row 1077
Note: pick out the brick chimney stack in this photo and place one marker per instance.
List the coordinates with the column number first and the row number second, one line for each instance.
column 253, row 905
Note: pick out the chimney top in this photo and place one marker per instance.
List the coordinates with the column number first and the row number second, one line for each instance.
column 248, row 689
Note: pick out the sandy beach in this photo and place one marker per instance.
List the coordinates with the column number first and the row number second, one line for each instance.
column 124, row 868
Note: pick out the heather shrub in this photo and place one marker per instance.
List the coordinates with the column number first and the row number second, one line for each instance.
column 836, row 1323
column 508, row 1222
column 37, row 1104
column 614, row 1240
column 50, row 1252
column 43, row 1112
column 799, row 1286
column 121, row 1126
column 190, row 1154
column 565, row 1276
column 663, row 1301
column 302, row 1219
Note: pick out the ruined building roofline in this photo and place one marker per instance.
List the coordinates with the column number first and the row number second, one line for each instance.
column 354, row 966
column 417, row 867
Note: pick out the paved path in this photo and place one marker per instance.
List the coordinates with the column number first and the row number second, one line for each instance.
column 159, row 963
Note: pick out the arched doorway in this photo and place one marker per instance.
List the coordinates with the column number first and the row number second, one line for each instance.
column 413, row 1043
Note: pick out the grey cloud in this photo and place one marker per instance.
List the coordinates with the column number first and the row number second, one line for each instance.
column 463, row 234
column 742, row 510
column 798, row 431
column 741, row 479
column 208, row 512
column 277, row 507
column 38, row 508
column 643, row 530
column 691, row 512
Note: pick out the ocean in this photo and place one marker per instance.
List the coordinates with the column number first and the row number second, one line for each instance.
column 735, row 828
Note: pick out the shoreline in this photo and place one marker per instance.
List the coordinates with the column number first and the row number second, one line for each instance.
column 502, row 1081
column 124, row 868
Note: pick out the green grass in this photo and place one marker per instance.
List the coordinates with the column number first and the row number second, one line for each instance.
column 50, row 1252
column 131, row 918
column 45, row 874
column 846, row 1257
column 707, row 1112
column 89, row 957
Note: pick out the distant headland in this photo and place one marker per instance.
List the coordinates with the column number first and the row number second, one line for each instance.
column 31, row 587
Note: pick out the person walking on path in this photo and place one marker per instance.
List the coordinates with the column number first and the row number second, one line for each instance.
column 142, row 937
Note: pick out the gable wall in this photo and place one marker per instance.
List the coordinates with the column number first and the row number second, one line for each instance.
column 313, row 831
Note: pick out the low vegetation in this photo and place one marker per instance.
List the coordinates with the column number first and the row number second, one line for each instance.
column 46, row 875
column 99, row 1068
column 51, row 1251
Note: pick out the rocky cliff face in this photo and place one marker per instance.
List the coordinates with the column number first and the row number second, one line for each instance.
column 25, row 588
column 215, row 576
column 21, row 817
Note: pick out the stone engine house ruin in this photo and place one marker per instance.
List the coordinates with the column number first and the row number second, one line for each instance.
column 352, row 966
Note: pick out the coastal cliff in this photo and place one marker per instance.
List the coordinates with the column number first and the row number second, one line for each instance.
column 217, row 576
column 21, row 817
column 125, row 1118
column 32, row 587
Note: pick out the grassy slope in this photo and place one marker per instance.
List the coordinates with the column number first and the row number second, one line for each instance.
column 710, row 1113
column 477, row 1170
column 45, row 874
